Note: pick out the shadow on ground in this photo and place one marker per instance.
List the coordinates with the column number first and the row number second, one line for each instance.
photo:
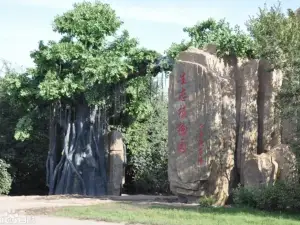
column 123, row 198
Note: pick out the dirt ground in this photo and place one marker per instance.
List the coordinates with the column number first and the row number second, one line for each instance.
column 16, row 210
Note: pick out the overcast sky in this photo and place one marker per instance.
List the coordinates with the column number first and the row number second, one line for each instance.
column 156, row 23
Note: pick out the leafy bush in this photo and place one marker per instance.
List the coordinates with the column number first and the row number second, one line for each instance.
column 280, row 196
column 244, row 196
column 207, row 201
column 228, row 40
column 147, row 143
column 26, row 158
column 5, row 178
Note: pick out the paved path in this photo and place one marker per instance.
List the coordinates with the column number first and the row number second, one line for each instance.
column 46, row 220
column 8, row 215
column 9, row 205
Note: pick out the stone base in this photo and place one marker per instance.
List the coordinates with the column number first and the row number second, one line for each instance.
column 113, row 189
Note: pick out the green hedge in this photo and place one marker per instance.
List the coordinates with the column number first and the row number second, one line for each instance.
column 280, row 196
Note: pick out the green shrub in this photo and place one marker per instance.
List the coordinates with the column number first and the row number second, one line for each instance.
column 5, row 178
column 280, row 196
column 244, row 196
column 207, row 201
column 147, row 144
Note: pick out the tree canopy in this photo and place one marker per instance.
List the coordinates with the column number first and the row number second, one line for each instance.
column 93, row 55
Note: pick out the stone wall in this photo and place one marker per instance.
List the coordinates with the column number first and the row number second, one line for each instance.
column 221, row 113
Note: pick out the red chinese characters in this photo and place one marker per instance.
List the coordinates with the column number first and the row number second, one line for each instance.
column 182, row 129
column 182, row 146
column 200, row 157
column 182, row 78
column 182, row 112
column 182, row 95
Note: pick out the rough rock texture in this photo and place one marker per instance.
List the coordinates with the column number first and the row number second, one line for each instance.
column 268, row 120
column 277, row 164
column 246, row 112
column 258, row 125
column 259, row 170
column 287, row 170
column 115, row 163
column 201, row 152
column 221, row 113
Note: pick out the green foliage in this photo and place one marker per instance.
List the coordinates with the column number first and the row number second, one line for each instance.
column 175, row 48
column 245, row 196
column 5, row 178
column 270, row 30
column 23, row 128
column 277, row 38
column 207, row 201
column 92, row 57
column 229, row 41
column 138, row 91
column 281, row 196
column 90, row 23
column 18, row 86
column 146, row 139
column 25, row 157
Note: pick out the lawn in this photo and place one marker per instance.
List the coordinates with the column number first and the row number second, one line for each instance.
column 166, row 215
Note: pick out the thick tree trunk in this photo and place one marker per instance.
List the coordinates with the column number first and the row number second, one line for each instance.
column 78, row 166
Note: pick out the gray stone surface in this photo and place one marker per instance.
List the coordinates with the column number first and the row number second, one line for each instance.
column 221, row 112
column 116, row 161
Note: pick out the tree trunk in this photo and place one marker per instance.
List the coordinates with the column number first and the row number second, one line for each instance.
column 78, row 165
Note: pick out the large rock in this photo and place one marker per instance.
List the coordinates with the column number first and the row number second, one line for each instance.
column 270, row 82
column 258, row 124
column 221, row 112
column 246, row 110
column 277, row 164
column 259, row 170
column 202, row 125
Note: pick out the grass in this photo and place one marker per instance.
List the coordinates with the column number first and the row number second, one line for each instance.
column 167, row 215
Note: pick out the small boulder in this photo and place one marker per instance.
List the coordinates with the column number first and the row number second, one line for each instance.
column 287, row 162
column 259, row 170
